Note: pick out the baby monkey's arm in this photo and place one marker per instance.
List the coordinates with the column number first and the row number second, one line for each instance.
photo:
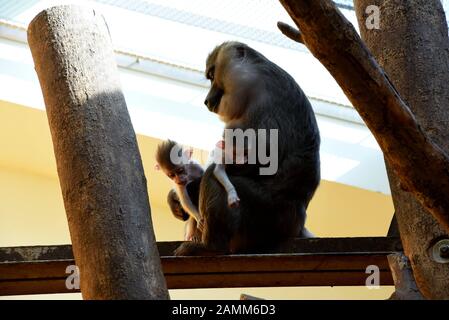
column 188, row 206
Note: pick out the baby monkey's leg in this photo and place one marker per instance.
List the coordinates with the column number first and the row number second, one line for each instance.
column 222, row 177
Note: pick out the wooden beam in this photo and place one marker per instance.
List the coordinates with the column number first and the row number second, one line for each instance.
column 99, row 165
column 304, row 262
column 244, row 296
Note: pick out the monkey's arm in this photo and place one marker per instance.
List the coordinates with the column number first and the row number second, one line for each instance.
column 222, row 177
column 187, row 204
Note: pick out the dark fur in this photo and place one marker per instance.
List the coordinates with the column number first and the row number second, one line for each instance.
column 175, row 206
column 272, row 208
column 193, row 189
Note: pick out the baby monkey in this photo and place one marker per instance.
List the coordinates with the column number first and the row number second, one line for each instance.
column 177, row 164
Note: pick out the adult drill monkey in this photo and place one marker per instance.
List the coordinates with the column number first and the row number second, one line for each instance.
column 250, row 92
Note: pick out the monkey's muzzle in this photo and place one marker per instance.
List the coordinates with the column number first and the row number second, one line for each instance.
column 213, row 99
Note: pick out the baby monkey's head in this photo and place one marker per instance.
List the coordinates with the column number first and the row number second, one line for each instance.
column 174, row 161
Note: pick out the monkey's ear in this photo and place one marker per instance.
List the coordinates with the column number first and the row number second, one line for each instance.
column 240, row 51
column 157, row 167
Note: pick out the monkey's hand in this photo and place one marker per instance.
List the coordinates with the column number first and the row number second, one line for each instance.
column 233, row 199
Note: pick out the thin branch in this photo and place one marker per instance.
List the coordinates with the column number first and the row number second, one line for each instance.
column 290, row 32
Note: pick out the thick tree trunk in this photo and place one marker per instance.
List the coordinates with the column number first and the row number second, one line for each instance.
column 332, row 39
column 413, row 48
column 98, row 161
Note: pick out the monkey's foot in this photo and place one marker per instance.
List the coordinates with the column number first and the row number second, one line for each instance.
column 233, row 199
column 189, row 249
column 196, row 238
column 195, row 249
column 193, row 235
column 188, row 236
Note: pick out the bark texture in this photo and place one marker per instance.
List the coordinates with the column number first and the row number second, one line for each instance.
column 404, row 281
column 412, row 47
column 334, row 41
column 98, row 161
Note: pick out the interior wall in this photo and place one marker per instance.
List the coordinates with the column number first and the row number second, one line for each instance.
column 32, row 211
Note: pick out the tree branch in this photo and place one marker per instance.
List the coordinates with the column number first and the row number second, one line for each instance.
column 290, row 32
column 334, row 41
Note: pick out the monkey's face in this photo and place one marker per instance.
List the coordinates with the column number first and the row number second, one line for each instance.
column 213, row 98
column 214, row 74
column 178, row 175
column 218, row 70
column 232, row 80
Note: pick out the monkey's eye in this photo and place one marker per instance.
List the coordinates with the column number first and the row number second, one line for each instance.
column 210, row 74
column 171, row 175
column 180, row 171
